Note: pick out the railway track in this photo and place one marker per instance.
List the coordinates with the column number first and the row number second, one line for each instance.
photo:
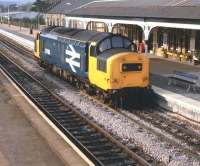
column 172, row 126
column 176, row 129
column 166, row 123
column 99, row 146
column 11, row 44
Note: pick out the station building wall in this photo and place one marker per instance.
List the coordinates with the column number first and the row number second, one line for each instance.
column 55, row 20
column 162, row 41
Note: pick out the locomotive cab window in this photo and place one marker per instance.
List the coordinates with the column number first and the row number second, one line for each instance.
column 117, row 42
column 127, row 44
column 114, row 42
column 105, row 45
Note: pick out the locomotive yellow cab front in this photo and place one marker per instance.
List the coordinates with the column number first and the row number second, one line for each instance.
column 128, row 70
column 37, row 47
column 113, row 66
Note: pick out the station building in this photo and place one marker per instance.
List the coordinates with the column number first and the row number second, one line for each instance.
column 169, row 28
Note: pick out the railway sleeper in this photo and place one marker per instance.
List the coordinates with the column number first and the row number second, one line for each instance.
column 99, row 144
column 41, row 95
column 61, row 110
column 92, row 140
column 74, row 127
column 92, row 136
column 50, row 107
column 113, row 160
column 110, row 154
column 79, row 130
column 60, row 113
column 47, row 104
column 69, row 118
column 74, row 120
column 98, row 148
column 105, row 147
column 50, row 101
column 67, row 125
column 128, row 163
column 44, row 98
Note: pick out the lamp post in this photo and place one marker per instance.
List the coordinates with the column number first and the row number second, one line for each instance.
column 8, row 15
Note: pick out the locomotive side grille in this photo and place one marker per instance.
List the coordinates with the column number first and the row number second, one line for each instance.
column 131, row 67
column 101, row 65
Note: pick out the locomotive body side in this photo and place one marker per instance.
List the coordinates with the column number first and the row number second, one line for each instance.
column 66, row 54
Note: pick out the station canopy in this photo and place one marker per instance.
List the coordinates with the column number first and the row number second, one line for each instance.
column 164, row 9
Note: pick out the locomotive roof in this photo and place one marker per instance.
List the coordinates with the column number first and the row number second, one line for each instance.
column 78, row 34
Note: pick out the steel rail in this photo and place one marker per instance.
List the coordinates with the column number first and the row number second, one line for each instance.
column 99, row 146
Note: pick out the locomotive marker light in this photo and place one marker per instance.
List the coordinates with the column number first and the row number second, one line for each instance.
column 47, row 51
column 72, row 56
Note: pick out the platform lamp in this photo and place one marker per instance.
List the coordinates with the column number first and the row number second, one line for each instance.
column 8, row 15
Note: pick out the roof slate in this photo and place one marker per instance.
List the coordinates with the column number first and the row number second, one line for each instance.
column 65, row 6
column 169, row 9
column 140, row 12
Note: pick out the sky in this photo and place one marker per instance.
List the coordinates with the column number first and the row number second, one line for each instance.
column 17, row 1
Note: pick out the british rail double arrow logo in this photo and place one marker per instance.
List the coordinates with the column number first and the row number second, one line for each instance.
column 72, row 56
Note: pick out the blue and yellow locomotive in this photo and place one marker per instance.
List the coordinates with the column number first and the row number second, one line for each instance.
column 99, row 62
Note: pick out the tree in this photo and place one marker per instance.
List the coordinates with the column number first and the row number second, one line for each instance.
column 40, row 5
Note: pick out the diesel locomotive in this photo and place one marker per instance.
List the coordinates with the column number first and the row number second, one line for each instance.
column 99, row 62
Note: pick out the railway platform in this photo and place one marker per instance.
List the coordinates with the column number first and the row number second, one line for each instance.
column 20, row 143
column 22, row 32
column 171, row 97
column 26, row 137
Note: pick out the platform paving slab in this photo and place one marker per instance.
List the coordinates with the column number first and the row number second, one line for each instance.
column 29, row 142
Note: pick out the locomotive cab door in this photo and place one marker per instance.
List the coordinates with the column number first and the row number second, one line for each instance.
column 37, row 46
column 96, row 77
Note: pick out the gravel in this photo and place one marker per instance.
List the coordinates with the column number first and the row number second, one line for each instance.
column 115, row 123
column 194, row 127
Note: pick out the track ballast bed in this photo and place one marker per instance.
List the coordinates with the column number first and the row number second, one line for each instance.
column 96, row 144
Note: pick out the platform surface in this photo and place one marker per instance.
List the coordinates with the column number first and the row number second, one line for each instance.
column 20, row 143
column 23, row 32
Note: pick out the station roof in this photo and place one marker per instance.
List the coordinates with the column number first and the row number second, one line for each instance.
column 66, row 6
column 164, row 9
